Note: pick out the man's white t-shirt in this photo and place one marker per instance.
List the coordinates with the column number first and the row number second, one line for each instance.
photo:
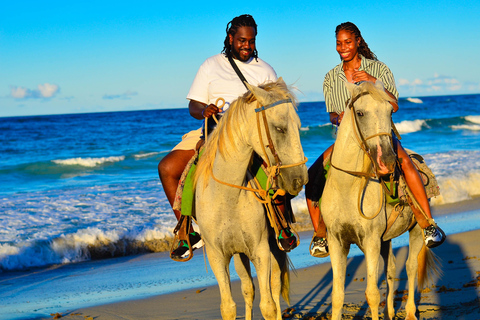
column 216, row 78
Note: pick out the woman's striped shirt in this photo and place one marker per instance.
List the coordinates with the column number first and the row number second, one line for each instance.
column 335, row 91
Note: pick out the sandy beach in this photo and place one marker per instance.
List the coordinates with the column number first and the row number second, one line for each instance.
column 453, row 296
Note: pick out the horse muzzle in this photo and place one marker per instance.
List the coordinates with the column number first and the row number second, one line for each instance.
column 385, row 159
column 293, row 179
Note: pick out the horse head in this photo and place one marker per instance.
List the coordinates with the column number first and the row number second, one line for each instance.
column 277, row 138
column 370, row 112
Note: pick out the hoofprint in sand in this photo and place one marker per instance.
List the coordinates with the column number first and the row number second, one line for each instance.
column 454, row 296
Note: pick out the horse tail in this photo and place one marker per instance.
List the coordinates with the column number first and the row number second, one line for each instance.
column 285, row 277
column 429, row 266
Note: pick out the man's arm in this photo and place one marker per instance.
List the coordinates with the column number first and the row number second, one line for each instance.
column 200, row 110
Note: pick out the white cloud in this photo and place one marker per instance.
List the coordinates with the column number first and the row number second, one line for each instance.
column 18, row 92
column 439, row 84
column 48, row 90
column 44, row 91
column 124, row 96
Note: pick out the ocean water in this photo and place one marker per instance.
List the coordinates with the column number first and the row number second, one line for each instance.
column 85, row 186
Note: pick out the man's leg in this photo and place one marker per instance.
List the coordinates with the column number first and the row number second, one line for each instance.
column 170, row 170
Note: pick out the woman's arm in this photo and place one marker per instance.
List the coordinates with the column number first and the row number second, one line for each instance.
column 364, row 76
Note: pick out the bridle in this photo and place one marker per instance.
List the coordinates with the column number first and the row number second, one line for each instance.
column 362, row 141
column 272, row 171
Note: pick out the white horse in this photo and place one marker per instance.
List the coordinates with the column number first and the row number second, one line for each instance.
column 354, row 207
column 231, row 220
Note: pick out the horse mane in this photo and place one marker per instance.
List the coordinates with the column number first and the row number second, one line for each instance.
column 376, row 91
column 233, row 118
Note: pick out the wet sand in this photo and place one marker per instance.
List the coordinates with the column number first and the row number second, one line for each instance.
column 453, row 296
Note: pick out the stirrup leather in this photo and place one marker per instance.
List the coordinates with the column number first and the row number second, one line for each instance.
column 181, row 233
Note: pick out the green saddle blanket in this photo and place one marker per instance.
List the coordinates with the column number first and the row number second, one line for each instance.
column 185, row 195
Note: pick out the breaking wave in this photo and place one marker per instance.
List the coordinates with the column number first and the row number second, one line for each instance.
column 88, row 162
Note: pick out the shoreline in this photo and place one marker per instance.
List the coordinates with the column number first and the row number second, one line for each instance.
column 455, row 295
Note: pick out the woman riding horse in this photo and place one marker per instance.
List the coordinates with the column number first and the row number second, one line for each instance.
column 360, row 64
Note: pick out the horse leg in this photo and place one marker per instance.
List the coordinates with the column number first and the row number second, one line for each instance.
column 415, row 246
column 390, row 270
column 338, row 258
column 262, row 263
column 242, row 265
column 280, row 281
column 372, row 255
column 220, row 267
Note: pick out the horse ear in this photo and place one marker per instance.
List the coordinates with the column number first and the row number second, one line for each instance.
column 379, row 85
column 262, row 95
column 281, row 82
column 350, row 87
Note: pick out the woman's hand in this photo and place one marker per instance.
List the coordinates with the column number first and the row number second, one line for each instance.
column 359, row 76
column 336, row 118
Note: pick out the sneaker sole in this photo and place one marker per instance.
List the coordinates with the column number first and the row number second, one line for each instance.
column 197, row 245
column 319, row 254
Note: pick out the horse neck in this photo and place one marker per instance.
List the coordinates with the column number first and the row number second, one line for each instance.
column 233, row 167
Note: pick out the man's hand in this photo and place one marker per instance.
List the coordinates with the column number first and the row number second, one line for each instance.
column 210, row 110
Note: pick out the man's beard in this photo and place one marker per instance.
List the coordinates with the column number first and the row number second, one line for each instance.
column 236, row 55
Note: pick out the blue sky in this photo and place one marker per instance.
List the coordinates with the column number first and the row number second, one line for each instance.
column 95, row 56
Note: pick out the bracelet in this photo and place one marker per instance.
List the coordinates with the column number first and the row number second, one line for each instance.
column 336, row 121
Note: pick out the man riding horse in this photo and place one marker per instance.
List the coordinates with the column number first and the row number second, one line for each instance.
column 216, row 79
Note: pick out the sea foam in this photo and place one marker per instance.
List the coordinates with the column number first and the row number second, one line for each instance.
column 474, row 119
column 88, row 162
column 409, row 126
column 471, row 127
column 415, row 100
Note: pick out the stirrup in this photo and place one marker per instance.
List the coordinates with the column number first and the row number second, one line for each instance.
column 181, row 234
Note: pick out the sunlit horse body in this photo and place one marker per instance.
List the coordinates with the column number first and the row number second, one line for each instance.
column 231, row 220
column 348, row 194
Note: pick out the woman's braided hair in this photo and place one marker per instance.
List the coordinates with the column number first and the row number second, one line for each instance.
column 244, row 20
column 363, row 48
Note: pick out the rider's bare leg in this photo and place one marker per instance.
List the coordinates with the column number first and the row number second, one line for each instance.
column 415, row 183
column 170, row 170
column 313, row 192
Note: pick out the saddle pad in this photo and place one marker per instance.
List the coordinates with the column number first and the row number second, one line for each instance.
column 184, row 195
column 429, row 181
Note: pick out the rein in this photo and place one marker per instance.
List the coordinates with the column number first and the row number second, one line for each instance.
column 363, row 145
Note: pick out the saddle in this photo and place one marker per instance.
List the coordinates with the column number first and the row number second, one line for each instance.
column 396, row 188
column 257, row 178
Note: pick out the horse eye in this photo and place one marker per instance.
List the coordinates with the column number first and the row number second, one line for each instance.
column 360, row 113
column 280, row 130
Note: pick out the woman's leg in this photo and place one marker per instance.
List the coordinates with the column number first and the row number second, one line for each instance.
column 434, row 236
column 313, row 193
column 415, row 183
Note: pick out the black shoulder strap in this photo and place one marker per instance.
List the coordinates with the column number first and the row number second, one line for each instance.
column 239, row 73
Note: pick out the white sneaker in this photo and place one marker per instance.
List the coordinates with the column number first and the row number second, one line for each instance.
column 319, row 247
column 434, row 236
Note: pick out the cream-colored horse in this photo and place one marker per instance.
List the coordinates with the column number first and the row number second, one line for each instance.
column 231, row 220
column 354, row 207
